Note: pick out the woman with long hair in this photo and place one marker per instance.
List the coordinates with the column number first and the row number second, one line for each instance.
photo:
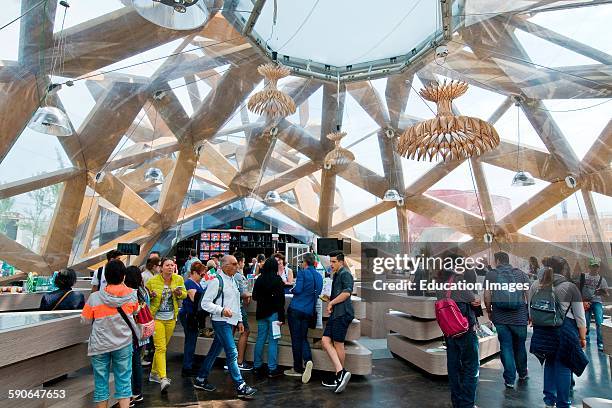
column 133, row 280
column 269, row 293
column 534, row 266
column 189, row 318
column 553, row 344
column 166, row 290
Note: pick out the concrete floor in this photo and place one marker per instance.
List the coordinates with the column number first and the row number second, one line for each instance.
column 393, row 383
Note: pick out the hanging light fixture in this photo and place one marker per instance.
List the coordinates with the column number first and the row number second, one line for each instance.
column 51, row 121
column 522, row 178
column 338, row 156
column 271, row 101
column 447, row 136
column 47, row 119
column 154, row 175
column 173, row 14
column 272, row 197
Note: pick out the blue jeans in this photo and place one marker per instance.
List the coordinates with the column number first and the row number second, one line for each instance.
column 224, row 340
column 264, row 331
column 191, row 338
column 597, row 310
column 298, row 327
column 121, row 361
column 557, row 383
column 136, row 371
column 513, row 353
column 463, row 364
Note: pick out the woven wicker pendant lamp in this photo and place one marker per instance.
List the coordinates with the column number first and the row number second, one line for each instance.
column 270, row 101
column 338, row 157
column 447, row 136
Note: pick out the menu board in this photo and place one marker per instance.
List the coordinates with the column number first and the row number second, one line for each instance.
column 204, row 255
column 205, row 246
column 215, row 246
column 225, row 246
column 215, row 236
column 226, row 236
column 205, row 236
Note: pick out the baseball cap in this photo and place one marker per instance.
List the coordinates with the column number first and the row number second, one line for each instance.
column 594, row 262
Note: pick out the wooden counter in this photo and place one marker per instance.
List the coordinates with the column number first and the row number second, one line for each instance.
column 20, row 302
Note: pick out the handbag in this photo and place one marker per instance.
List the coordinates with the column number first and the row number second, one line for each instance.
column 312, row 322
column 61, row 300
column 144, row 321
column 450, row 319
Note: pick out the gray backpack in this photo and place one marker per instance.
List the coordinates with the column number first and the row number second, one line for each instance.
column 545, row 307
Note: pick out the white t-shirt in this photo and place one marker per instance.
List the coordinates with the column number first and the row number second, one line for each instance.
column 166, row 305
column 101, row 284
column 146, row 275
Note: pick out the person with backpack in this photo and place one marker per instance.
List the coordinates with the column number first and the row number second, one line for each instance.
column 457, row 319
column 592, row 287
column 507, row 309
column 98, row 281
column 133, row 280
column 300, row 315
column 189, row 317
column 110, row 312
column 559, row 332
column 222, row 301
column 269, row 293
column 166, row 290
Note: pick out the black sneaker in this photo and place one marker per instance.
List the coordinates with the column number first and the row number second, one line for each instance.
column 203, row 385
column 244, row 366
column 343, row 379
column 260, row 371
column 330, row 382
column 277, row 372
column 245, row 392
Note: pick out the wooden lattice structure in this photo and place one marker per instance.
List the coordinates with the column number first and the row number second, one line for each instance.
column 183, row 143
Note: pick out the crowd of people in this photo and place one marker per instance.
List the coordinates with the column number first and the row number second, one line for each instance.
column 558, row 305
column 216, row 294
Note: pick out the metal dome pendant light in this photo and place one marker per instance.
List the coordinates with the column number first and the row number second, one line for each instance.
column 270, row 101
column 173, row 14
column 272, row 197
column 521, row 178
column 153, row 174
column 447, row 136
column 47, row 119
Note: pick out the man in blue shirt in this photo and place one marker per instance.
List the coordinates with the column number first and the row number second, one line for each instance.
column 308, row 287
column 509, row 314
column 341, row 314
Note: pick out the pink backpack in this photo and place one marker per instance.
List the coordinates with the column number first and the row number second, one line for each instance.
column 449, row 317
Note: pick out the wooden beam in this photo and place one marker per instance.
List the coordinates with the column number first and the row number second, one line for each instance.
column 298, row 216
column 397, row 93
column 127, row 159
column 365, row 179
column 121, row 196
column 537, row 205
column 369, row 99
column 429, row 179
column 217, row 164
column 21, row 257
column 58, row 241
column 598, row 240
column 135, row 179
column 97, row 255
column 277, row 181
column 484, row 198
column 36, row 35
column 18, row 101
column 362, row 216
column 206, row 205
column 599, row 182
column 554, row 37
column 599, row 155
column 109, row 120
column 176, row 186
column 35, row 182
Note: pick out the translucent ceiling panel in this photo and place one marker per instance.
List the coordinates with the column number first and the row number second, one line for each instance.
column 584, row 24
column 414, row 169
column 352, row 206
column 77, row 100
column 580, row 120
column 380, row 228
column 111, row 225
column 146, row 67
column 26, row 217
column 417, row 108
column 504, row 196
column 345, row 32
column 33, row 154
column 367, row 153
column 478, row 102
column 457, row 188
column 82, row 11
column 9, row 36
column 603, row 204
column 356, row 122
column 547, row 54
column 506, row 127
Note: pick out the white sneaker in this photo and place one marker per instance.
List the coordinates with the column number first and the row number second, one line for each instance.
column 292, row 373
column 307, row 372
column 154, row 377
column 165, row 383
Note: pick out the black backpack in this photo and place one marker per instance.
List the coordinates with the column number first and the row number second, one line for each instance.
column 505, row 299
column 200, row 313
column 545, row 307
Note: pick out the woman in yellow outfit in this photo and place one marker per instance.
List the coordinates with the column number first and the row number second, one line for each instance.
column 166, row 289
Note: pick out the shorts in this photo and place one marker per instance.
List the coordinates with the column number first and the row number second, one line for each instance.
column 245, row 317
column 337, row 327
